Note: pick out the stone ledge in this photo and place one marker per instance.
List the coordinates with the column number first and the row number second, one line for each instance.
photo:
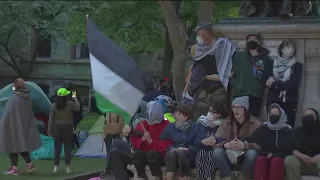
column 194, row 174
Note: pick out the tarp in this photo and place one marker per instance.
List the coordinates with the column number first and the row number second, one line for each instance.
column 92, row 146
column 40, row 102
column 46, row 152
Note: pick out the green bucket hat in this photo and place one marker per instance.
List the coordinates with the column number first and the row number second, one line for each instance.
column 63, row 92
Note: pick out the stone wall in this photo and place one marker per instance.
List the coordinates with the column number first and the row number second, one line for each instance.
column 305, row 33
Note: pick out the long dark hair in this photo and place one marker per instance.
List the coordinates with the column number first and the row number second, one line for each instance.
column 247, row 117
column 61, row 102
column 285, row 43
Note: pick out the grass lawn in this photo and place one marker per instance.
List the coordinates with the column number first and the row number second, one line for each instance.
column 45, row 167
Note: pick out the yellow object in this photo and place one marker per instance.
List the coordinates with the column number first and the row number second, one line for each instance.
column 169, row 117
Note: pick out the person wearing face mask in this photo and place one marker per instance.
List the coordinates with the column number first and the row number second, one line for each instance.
column 205, row 139
column 284, row 81
column 304, row 145
column 211, row 66
column 235, row 130
column 270, row 140
column 249, row 77
column 182, row 151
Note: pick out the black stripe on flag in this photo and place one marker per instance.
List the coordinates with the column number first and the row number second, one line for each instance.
column 113, row 56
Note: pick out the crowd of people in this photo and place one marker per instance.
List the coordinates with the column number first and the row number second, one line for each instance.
column 208, row 133
column 206, row 130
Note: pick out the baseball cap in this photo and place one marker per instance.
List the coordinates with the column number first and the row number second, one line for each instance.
column 204, row 26
column 63, row 92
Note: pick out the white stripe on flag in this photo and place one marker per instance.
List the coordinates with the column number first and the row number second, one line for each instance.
column 114, row 88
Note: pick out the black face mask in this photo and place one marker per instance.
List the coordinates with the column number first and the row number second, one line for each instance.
column 274, row 119
column 308, row 120
column 252, row 45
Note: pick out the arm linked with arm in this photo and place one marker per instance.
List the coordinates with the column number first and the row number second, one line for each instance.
column 292, row 83
column 221, row 134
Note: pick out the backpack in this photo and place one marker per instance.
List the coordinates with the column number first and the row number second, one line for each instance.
column 113, row 124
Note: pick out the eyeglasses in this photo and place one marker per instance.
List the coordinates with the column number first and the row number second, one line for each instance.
column 237, row 107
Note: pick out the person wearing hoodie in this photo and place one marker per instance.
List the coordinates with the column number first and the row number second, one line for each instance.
column 235, row 130
column 284, row 83
column 182, row 151
column 205, row 139
column 305, row 147
column 149, row 149
column 249, row 77
column 18, row 128
column 270, row 140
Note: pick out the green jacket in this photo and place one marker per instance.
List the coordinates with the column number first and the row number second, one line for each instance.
column 249, row 78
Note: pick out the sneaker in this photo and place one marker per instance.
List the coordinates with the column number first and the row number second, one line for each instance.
column 12, row 171
column 233, row 155
column 30, row 167
column 106, row 172
column 68, row 170
column 55, row 169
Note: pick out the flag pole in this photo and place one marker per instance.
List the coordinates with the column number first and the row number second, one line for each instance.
column 87, row 18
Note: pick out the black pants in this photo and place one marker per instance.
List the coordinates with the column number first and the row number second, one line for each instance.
column 14, row 158
column 108, row 142
column 289, row 107
column 119, row 158
column 182, row 159
column 152, row 158
column 62, row 135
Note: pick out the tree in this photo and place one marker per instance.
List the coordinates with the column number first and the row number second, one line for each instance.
column 205, row 11
column 24, row 24
column 179, row 39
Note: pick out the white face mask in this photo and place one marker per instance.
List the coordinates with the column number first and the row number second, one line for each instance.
column 287, row 52
column 210, row 116
column 200, row 40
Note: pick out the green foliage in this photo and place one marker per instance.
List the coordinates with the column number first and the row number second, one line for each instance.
column 22, row 15
column 137, row 25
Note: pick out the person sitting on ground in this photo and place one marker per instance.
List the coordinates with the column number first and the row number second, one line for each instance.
column 270, row 140
column 168, row 108
column 181, row 152
column 18, row 128
column 305, row 147
column 149, row 150
column 236, row 129
column 61, row 126
column 205, row 139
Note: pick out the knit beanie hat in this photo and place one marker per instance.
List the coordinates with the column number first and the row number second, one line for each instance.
column 243, row 101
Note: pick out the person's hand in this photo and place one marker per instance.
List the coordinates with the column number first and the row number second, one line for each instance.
column 49, row 133
column 150, row 141
column 209, row 141
column 269, row 155
column 146, row 136
column 269, row 82
column 315, row 160
column 213, row 77
column 126, row 130
column 307, row 160
column 237, row 144
column 227, row 145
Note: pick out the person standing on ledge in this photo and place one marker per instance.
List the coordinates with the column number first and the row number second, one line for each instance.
column 18, row 128
column 61, row 128
column 248, row 77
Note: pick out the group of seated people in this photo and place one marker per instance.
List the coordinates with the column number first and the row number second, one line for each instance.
column 218, row 141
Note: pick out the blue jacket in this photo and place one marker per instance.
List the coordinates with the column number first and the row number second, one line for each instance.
column 202, row 133
column 178, row 137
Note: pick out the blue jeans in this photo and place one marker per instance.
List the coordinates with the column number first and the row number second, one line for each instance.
column 223, row 164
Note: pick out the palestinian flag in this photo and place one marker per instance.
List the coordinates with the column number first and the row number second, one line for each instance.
column 117, row 82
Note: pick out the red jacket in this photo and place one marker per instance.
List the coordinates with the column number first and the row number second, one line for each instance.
column 155, row 131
